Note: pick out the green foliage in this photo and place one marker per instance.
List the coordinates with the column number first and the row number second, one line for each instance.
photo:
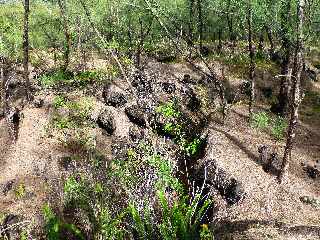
column 169, row 110
column 275, row 126
column 59, row 101
column 55, row 227
column 260, row 120
column 73, row 188
column 111, row 228
column 55, row 78
column 80, row 80
column 193, row 147
column 182, row 220
column 278, row 128
column 72, row 117
column 20, row 191
column 179, row 220
column 165, row 172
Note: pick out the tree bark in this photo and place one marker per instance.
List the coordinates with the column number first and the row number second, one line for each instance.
column 190, row 23
column 296, row 93
column 270, row 38
column 200, row 24
column 2, row 91
column 283, row 101
column 26, row 49
column 67, row 47
column 252, row 62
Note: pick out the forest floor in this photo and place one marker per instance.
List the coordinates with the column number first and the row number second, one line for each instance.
column 269, row 210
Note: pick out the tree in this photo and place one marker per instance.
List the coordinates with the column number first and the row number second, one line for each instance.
column 286, row 72
column 67, row 47
column 26, row 48
column 251, row 54
column 296, row 95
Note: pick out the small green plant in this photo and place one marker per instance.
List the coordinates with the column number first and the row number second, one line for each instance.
column 54, row 78
column 260, row 120
column 169, row 110
column 206, row 233
column 73, row 189
column 173, row 129
column 179, row 220
column 165, row 171
column 193, row 147
column 20, row 191
column 59, row 101
column 278, row 128
column 55, row 227
column 111, row 227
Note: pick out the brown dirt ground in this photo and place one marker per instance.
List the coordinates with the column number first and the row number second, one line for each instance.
column 32, row 160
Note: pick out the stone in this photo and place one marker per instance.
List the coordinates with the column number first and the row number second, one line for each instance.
column 190, row 98
column 168, row 87
column 312, row 168
column 8, row 187
column 10, row 233
column 141, row 83
column 136, row 115
column 115, row 99
column 136, row 134
column 66, row 163
column 106, row 122
column 38, row 102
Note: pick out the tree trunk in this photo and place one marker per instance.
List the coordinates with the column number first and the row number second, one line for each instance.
column 190, row 24
column 200, row 24
column 269, row 34
column 252, row 63
column 67, row 47
column 26, row 48
column 296, row 93
column 283, row 101
column 2, row 95
column 261, row 42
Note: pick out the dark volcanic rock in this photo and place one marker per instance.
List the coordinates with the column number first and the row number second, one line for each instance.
column 190, row 98
column 115, row 99
column 228, row 187
column 7, row 187
column 66, row 163
column 10, row 233
column 141, row 83
column 168, row 87
column 106, row 122
column 38, row 103
column 312, row 168
column 136, row 115
column 136, row 133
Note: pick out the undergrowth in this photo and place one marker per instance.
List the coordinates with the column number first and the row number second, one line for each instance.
column 275, row 126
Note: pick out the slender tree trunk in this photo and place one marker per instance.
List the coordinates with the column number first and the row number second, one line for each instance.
column 220, row 40
column 190, row 23
column 296, row 93
column 67, row 47
column 261, row 42
column 2, row 95
column 283, row 101
column 270, row 38
column 200, row 24
column 26, row 48
column 252, row 63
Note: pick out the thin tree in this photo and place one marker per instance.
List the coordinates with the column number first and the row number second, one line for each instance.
column 252, row 62
column 2, row 95
column 296, row 92
column 200, row 24
column 286, row 71
column 67, row 47
column 26, row 48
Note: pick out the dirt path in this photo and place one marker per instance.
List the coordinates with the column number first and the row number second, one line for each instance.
column 236, row 149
